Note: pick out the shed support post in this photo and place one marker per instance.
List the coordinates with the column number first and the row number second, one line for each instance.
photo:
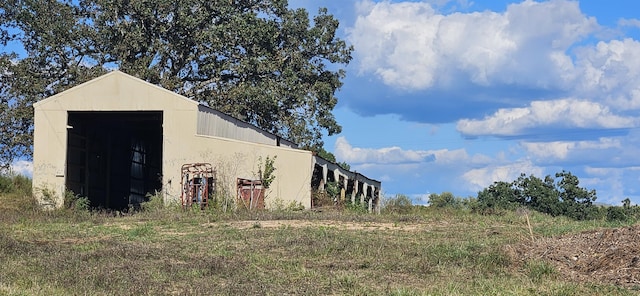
column 324, row 178
column 377, row 195
column 354, row 192
column 365, row 188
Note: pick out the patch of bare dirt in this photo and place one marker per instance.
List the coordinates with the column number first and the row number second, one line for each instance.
column 324, row 223
column 602, row 256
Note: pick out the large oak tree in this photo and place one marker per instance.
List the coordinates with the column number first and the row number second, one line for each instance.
column 257, row 60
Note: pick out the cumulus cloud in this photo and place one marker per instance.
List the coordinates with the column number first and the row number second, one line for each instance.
column 610, row 70
column 562, row 113
column 412, row 45
column 389, row 33
column 529, row 53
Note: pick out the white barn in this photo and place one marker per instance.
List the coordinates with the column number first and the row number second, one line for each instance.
column 116, row 138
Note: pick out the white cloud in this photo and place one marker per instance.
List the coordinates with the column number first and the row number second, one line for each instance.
column 445, row 156
column 391, row 32
column 562, row 149
column 556, row 150
column 345, row 152
column 610, row 70
column 478, row 179
column 443, row 170
column 411, row 45
column 408, row 159
column 22, row 167
column 629, row 23
column 562, row 113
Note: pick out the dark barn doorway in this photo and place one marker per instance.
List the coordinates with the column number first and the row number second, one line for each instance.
column 114, row 158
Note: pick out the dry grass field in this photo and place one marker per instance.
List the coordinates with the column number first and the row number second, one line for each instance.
column 167, row 251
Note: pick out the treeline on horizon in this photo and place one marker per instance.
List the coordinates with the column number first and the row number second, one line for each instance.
column 558, row 195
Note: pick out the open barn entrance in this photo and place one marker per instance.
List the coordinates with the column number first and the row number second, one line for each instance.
column 114, row 158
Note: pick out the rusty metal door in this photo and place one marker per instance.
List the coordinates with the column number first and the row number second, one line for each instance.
column 251, row 193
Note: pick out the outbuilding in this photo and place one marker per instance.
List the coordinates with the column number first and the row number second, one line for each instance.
column 116, row 139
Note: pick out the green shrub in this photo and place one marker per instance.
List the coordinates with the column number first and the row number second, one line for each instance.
column 332, row 189
column 75, row 202
column 499, row 196
column 357, row 207
column 617, row 214
column 266, row 170
column 470, row 203
column 399, row 204
column 444, row 200
column 22, row 184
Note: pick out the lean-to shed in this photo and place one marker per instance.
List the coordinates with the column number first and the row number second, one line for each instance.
column 117, row 138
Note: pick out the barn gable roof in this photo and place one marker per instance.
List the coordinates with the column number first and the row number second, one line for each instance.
column 117, row 90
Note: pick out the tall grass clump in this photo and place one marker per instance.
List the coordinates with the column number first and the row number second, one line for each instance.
column 154, row 203
column 15, row 184
column 16, row 196
column 539, row 270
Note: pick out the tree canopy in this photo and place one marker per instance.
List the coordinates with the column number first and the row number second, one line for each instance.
column 557, row 196
column 256, row 60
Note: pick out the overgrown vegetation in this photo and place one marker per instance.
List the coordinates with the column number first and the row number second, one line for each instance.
column 333, row 197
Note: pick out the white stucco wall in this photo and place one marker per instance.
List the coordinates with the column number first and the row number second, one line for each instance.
column 236, row 159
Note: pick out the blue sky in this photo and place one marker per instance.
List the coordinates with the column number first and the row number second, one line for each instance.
column 454, row 95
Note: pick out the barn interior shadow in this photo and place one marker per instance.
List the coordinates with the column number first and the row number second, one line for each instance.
column 114, row 158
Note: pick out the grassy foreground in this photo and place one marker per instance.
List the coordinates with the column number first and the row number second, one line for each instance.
column 167, row 251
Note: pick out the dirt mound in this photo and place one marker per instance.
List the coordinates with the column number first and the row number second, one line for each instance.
column 601, row 256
